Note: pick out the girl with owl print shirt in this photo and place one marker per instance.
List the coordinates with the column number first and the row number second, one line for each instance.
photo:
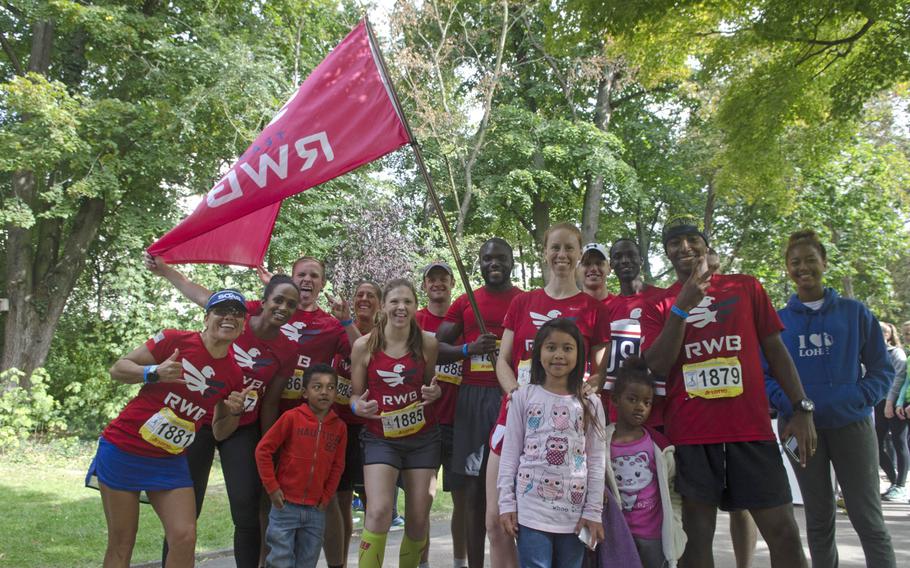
column 551, row 475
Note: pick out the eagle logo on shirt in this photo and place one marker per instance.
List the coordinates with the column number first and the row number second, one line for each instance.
column 250, row 359
column 709, row 311
column 540, row 319
column 397, row 376
column 200, row 381
column 298, row 333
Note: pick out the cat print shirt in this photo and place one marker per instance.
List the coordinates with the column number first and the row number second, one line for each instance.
column 636, row 477
column 552, row 470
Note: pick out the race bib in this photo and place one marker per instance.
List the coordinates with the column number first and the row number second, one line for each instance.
column 168, row 431
column 294, row 390
column 403, row 422
column 343, row 391
column 483, row 363
column 449, row 373
column 524, row 373
column 721, row 377
column 249, row 403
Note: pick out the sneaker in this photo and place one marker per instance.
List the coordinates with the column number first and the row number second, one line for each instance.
column 895, row 493
column 397, row 523
column 357, row 504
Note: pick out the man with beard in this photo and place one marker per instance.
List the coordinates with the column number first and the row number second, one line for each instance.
column 479, row 396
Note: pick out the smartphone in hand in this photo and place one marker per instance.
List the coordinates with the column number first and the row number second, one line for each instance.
column 792, row 448
column 584, row 535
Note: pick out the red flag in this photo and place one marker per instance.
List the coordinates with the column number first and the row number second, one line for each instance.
column 340, row 118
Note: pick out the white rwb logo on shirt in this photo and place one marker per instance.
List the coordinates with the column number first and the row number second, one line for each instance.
column 709, row 311
column 815, row 344
column 158, row 337
column 540, row 319
column 635, row 314
column 393, row 378
column 292, row 330
column 196, row 379
column 246, row 359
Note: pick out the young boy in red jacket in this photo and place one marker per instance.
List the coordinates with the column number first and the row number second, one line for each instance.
column 310, row 441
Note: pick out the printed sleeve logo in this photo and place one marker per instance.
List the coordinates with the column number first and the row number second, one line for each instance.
column 250, row 359
column 709, row 311
column 159, row 337
column 540, row 319
column 200, row 381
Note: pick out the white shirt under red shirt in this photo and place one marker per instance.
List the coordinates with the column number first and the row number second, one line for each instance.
column 529, row 311
column 716, row 387
column 479, row 370
column 448, row 375
column 625, row 333
column 162, row 419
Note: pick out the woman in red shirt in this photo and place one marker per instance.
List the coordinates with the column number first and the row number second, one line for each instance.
column 392, row 371
column 186, row 376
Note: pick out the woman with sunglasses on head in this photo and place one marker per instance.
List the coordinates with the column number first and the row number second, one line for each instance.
column 189, row 379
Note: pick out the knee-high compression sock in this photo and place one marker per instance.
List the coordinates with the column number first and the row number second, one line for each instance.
column 410, row 552
column 372, row 549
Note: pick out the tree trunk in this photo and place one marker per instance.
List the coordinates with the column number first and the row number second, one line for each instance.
column 848, row 287
column 42, row 264
column 709, row 210
column 594, row 188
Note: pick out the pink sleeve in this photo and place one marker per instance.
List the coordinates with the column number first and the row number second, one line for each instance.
column 514, row 308
column 512, row 446
column 595, row 448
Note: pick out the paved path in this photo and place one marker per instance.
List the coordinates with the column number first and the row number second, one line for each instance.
column 851, row 554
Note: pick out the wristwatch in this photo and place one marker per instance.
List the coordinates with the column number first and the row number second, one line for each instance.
column 151, row 374
column 804, row 405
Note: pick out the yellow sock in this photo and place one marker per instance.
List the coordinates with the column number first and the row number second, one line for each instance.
column 372, row 549
column 409, row 554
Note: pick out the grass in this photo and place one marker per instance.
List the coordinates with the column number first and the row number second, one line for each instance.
column 51, row 519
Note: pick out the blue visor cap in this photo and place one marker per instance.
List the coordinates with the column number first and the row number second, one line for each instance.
column 226, row 296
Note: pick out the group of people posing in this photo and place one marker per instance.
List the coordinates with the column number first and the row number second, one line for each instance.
column 572, row 425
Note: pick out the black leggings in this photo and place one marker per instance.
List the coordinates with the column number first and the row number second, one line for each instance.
column 893, row 450
column 241, row 479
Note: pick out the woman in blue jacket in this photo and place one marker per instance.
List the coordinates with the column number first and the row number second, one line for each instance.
column 843, row 364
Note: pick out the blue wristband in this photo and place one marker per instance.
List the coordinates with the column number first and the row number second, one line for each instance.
column 354, row 408
column 145, row 374
column 464, row 349
column 679, row 311
column 347, row 322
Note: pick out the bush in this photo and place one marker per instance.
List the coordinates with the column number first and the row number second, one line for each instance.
column 27, row 412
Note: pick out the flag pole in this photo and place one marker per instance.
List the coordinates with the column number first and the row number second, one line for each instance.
column 421, row 165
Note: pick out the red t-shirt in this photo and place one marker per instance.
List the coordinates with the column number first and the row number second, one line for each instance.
column 479, row 370
column 319, row 337
column 161, row 420
column 261, row 361
column 395, row 382
column 625, row 332
column 448, row 375
column 722, row 398
column 532, row 309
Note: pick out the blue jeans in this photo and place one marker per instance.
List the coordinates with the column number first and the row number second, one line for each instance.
column 295, row 536
column 539, row 549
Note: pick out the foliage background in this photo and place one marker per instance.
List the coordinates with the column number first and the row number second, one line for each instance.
column 761, row 117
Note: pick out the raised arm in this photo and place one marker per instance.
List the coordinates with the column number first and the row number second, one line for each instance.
column 193, row 292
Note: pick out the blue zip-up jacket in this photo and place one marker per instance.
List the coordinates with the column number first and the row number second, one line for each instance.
column 830, row 348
